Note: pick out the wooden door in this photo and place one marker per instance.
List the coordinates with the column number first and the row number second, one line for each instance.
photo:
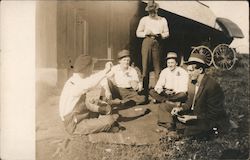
column 81, row 34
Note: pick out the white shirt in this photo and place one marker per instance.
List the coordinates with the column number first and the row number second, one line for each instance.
column 122, row 78
column 176, row 80
column 74, row 88
column 157, row 25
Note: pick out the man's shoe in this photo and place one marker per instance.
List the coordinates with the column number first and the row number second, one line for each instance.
column 160, row 129
column 173, row 134
column 114, row 129
column 156, row 101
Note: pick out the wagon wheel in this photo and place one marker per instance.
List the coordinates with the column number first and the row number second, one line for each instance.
column 224, row 57
column 205, row 51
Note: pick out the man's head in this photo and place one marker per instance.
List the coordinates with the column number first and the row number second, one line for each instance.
column 196, row 66
column 152, row 8
column 171, row 60
column 83, row 65
column 124, row 58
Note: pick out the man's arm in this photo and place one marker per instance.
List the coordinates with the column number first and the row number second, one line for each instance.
column 215, row 103
column 187, row 105
column 160, row 83
column 140, row 32
column 134, row 82
column 87, row 83
column 165, row 32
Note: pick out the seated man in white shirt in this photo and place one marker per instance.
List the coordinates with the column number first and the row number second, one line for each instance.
column 78, row 115
column 123, row 82
column 172, row 84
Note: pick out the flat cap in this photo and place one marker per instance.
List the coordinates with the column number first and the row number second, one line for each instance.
column 82, row 62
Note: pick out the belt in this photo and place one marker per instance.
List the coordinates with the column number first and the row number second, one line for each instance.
column 154, row 36
column 128, row 88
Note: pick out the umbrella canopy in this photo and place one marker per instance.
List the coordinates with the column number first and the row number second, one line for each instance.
column 229, row 27
column 193, row 10
column 199, row 12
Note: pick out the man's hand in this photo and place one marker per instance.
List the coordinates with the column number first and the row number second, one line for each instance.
column 185, row 118
column 140, row 86
column 176, row 110
column 159, row 90
column 108, row 66
column 104, row 109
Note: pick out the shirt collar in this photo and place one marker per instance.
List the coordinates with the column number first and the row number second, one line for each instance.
column 120, row 69
column 155, row 18
column 173, row 70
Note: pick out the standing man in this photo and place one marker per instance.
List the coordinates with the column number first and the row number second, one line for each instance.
column 79, row 115
column 172, row 84
column 153, row 29
column 204, row 110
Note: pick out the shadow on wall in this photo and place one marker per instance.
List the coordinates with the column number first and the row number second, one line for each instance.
column 46, row 84
column 44, row 91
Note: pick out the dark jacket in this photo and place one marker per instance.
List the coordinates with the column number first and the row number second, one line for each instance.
column 208, row 106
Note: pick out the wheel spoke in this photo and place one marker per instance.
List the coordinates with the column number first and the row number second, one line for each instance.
column 223, row 57
column 203, row 50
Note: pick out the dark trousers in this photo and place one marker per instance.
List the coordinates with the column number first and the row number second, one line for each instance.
column 178, row 97
column 197, row 128
column 125, row 94
column 165, row 118
column 150, row 55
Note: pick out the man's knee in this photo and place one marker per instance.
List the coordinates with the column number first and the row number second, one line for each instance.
column 152, row 92
column 140, row 99
column 109, row 119
column 165, row 107
column 181, row 97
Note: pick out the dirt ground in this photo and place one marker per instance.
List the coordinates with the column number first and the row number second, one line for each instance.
column 53, row 143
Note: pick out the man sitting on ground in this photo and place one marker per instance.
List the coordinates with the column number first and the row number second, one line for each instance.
column 172, row 84
column 203, row 112
column 123, row 82
column 78, row 115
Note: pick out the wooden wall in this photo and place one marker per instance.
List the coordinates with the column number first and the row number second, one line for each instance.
column 98, row 28
column 46, row 34
column 66, row 29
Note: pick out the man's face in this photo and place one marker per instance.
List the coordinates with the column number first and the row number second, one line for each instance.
column 152, row 13
column 193, row 72
column 124, row 62
column 171, row 63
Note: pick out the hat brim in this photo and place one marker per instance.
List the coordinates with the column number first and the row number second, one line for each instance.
column 171, row 58
column 196, row 62
column 123, row 56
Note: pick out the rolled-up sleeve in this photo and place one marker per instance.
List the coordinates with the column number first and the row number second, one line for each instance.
column 140, row 32
column 161, row 81
column 83, row 85
column 165, row 32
